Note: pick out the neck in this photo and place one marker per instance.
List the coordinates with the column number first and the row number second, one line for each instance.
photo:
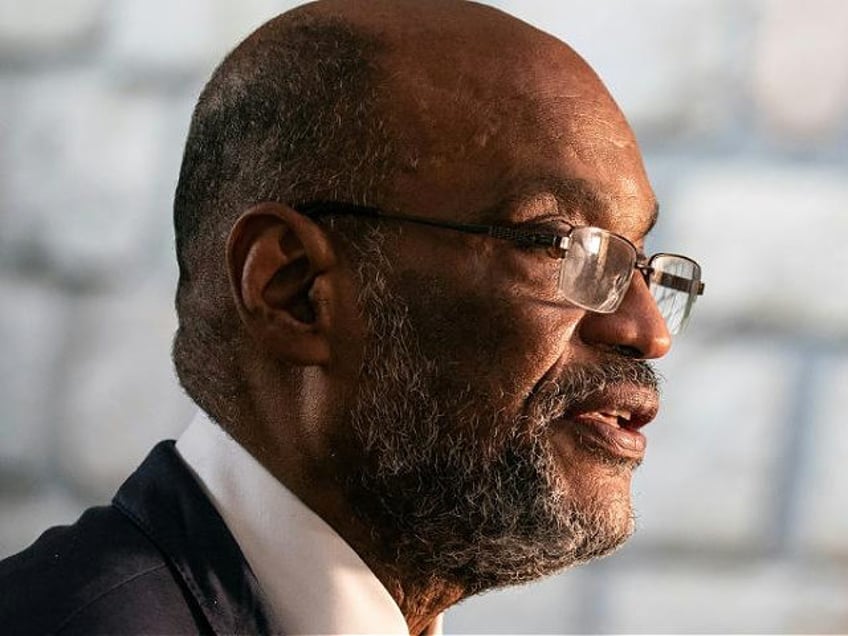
column 421, row 602
column 421, row 597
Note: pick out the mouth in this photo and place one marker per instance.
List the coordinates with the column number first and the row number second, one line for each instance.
column 609, row 421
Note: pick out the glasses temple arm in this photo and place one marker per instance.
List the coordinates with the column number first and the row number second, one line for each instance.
column 672, row 281
column 515, row 235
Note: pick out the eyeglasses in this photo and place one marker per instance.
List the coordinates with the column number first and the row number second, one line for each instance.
column 597, row 265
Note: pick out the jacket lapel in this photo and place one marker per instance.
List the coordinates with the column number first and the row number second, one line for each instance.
column 165, row 501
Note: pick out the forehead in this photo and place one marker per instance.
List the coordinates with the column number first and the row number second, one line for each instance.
column 505, row 135
column 577, row 200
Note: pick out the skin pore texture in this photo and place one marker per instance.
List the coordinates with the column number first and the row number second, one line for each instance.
column 426, row 392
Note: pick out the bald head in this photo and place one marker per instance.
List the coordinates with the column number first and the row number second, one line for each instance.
column 420, row 106
column 467, row 84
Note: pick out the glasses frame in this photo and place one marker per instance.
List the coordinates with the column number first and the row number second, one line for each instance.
column 556, row 244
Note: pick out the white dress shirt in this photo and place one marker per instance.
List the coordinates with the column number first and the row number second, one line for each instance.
column 314, row 582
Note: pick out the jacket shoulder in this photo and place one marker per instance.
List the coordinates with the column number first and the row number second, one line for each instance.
column 99, row 575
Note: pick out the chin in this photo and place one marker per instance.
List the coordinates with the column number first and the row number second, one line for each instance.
column 602, row 487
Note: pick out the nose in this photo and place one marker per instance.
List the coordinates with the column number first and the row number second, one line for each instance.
column 636, row 329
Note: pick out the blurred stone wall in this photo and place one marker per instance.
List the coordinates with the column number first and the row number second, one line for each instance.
column 741, row 107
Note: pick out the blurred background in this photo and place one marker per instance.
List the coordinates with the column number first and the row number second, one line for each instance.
column 741, row 107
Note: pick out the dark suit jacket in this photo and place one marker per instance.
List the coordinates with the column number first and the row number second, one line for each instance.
column 159, row 560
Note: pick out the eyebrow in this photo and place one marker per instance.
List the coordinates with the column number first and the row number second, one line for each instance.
column 572, row 194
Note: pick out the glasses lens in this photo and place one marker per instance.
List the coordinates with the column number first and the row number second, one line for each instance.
column 674, row 283
column 596, row 270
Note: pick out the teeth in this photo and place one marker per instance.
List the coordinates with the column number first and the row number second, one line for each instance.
column 606, row 417
column 613, row 418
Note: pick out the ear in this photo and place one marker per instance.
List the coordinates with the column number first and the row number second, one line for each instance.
column 277, row 259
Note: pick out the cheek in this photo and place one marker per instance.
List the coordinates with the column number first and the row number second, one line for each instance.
column 499, row 340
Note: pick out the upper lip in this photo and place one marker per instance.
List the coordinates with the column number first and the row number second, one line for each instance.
column 627, row 406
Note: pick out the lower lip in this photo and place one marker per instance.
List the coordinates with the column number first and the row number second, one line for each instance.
column 611, row 440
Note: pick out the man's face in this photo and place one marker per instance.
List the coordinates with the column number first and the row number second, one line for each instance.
column 489, row 411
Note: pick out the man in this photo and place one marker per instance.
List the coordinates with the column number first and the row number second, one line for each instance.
column 415, row 314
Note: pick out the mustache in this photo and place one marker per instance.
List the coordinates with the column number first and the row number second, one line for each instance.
column 580, row 381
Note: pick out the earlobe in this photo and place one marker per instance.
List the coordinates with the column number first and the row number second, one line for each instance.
column 275, row 257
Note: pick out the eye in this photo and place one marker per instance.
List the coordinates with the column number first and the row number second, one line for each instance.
column 539, row 235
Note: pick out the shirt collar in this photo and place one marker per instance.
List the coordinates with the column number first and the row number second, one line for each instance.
column 314, row 581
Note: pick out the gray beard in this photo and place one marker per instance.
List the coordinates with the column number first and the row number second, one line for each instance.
column 445, row 502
